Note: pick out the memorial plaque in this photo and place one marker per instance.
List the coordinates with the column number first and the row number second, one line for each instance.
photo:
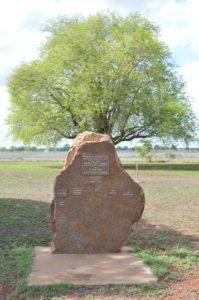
column 60, row 203
column 94, row 179
column 128, row 194
column 95, row 164
column 61, row 193
column 95, row 201
column 76, row 191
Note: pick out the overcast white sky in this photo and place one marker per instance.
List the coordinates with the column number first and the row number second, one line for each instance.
column 20, row 35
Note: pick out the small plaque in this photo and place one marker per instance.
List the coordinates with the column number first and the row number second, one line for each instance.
column 94, row 179
column 128, row 194
column 95, row 164
column 61, row 193
column 76, row 191
column 61, row 204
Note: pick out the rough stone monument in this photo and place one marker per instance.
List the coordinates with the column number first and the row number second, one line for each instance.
column 95, row 201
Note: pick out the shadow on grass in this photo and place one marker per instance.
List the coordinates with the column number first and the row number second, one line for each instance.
column 24, row 222
column 24, row 225
column 162, row 248
column 161, row 237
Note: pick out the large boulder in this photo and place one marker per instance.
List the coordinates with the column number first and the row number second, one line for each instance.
column 95, row 201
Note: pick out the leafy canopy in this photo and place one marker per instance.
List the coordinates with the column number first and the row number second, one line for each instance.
column 104, row 73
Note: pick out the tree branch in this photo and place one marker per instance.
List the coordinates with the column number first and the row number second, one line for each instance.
column 57, row 100
column 133, row 135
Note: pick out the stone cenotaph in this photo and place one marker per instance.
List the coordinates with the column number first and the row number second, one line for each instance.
column 95, row 201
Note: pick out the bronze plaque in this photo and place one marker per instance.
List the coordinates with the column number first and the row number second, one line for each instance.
column 95, row 164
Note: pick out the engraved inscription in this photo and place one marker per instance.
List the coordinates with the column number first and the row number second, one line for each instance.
column 128, row 194
column 95, row 164
column 76, row 191
column 60, row 203
column 94, row 179
column 61, row 193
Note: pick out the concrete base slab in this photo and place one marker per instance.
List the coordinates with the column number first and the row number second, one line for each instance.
column 88, row 269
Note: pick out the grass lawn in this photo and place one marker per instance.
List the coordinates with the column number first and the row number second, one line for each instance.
column 166, row 238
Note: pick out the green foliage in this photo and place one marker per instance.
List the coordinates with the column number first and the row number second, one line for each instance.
column 104, row 73
column 145, row 150
column 162, row 257
column 174, row 148
column 171, row 155
column 21, row 219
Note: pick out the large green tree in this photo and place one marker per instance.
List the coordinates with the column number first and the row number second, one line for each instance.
column 103, row 73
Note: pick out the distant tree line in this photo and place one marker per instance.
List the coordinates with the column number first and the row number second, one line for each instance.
column 158, row 148
column 67, row 146
column 34, row 148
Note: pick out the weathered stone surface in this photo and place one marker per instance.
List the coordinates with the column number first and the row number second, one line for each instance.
column 95, row 200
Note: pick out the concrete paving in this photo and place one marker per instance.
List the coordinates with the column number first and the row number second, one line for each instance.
column 88, row 269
